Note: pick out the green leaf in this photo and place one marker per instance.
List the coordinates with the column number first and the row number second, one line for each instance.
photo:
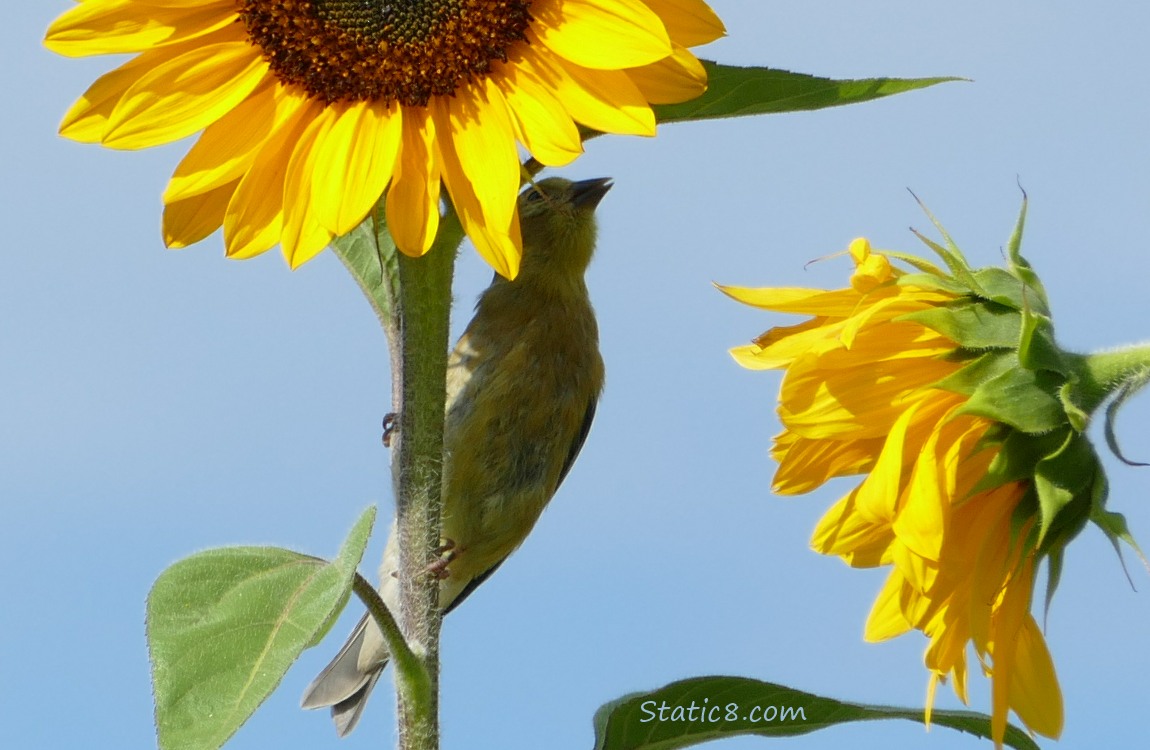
column 931, row 281
column 1019, row 266
column 951, row 254
column 370, row 255
column 734, row 91
column 924, row 268
column 972, row 324
column 1024, row 399
column 980, row 370
column 1065, row 483
column 225, row 625
column 1036, row 347
column 1114, row 526
column 738, row 706
column 997, row 284
column 1078, row 416
column 1017, row 457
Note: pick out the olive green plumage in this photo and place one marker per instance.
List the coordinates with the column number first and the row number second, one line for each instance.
column 522, row 385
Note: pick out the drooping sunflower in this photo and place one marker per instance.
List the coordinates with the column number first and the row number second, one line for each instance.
column 946, row 392
column 312, row 109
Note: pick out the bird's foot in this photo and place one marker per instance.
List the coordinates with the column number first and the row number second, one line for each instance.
column 447, row 553
column 390, row 425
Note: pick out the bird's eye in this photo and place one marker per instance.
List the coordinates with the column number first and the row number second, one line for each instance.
column 534, row 196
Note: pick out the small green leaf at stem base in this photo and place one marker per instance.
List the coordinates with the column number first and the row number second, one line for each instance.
column 225, row 625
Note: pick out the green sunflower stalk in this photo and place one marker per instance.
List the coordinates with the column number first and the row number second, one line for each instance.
column 946, row 391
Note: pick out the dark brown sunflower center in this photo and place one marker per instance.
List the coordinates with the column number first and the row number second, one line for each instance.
column 394, row 50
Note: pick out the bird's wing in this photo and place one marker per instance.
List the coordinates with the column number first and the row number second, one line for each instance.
column 473, row 584
column 580, row 438
column 572, row 454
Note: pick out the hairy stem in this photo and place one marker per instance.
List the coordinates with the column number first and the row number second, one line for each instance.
column 419, row 365
column 412, row 298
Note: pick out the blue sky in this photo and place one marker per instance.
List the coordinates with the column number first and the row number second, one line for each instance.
column 159, row 402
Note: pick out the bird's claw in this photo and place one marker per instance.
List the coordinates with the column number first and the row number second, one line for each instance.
column 390, row 425
column 447, row 553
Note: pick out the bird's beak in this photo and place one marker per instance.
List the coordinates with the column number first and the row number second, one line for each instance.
column 588, row 193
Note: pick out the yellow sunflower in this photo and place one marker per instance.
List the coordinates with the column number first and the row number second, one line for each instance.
column 312, row 109
column 890, row 379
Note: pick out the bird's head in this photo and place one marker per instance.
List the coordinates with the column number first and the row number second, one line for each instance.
column 557, row 219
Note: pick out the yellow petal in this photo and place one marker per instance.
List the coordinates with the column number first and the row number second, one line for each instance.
column 303, row 236
column 190, row 220
column 886, row 620
column 255, row 215
column 921, row 574
column 481, row 169
column 603, row 100
column 839, row 303
column 856, row 537
column 931, row 688
column 859, row 250
column 922, row 519
column 1004, row 634
column 541, row 121
column 186, row 94
column 119, row 26
column 807, row 464
column 413, row 198
column 859, row 393
column 87, row 119
column 947, row 650
column 1034, row 692
column 677, row 78
column 354, row 163
column 602, row 34
column 226, row 148
column 688, row 22
column 782, row 345
column 880, row 491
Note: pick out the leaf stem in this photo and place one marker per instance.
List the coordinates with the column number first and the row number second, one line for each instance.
column 410, row 674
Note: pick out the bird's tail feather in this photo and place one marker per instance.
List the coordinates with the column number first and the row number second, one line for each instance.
column 344, row 684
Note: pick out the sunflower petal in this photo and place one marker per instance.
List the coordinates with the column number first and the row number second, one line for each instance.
column 923, row 517
column 413, row 198
column 481, row 169
column 677, row 78
column 860, row 540
column 119, row 26
column 226, row 148
column 886, row 619
column 190, row 220
column 839, row 303
column 1034, row 692
column 689, row 22
column 303, row 236
column 254, row 218
column 602, row 34
column 807, row 464
column 86, row 120
column 604, row 100
column 541, row 121
column 354, row 163
column 186, row 94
